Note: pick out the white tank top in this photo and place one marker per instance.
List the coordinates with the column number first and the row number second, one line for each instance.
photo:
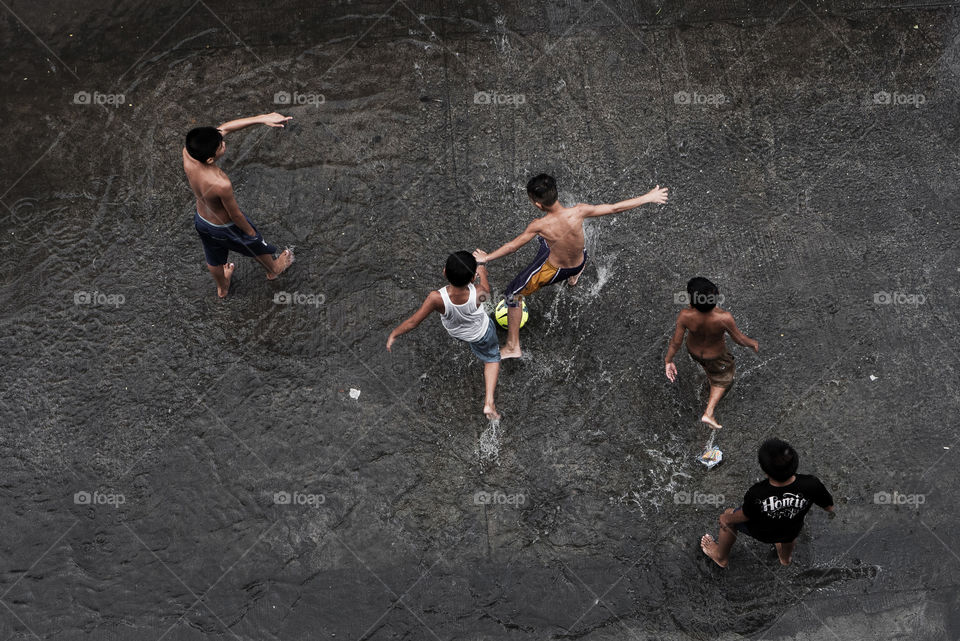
column 468, row 321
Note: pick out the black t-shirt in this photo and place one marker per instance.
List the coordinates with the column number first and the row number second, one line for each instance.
column 776, row 513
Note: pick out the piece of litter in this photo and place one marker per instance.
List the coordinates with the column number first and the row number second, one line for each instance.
column 872, row 377
column 711, row 456
column 945, row 447
column 354, row 393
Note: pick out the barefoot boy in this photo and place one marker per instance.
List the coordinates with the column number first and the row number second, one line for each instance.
column 561, row 254
column 461, row 312
column 218, row 220
column 707, row 343
column 773, row 510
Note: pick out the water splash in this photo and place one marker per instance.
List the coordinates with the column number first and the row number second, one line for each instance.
column 663, row 476
column 604, row 272
column 603, row 262
column 488, row 446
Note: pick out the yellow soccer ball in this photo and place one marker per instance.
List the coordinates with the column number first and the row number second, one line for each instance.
column 500, row 314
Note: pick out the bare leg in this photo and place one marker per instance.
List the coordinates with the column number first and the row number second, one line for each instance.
column 572, row 281
column 719, row 551
column 490, row 373
column 512, row 348
column 716, row 393
column 221, row 276
column 275, row 266
column 785, row 552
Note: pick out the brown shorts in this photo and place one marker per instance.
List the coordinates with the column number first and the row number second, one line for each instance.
column 719, row 370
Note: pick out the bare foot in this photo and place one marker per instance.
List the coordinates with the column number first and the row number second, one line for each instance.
column 227, row 274
column 711, row 549
column 510, row 352
column 490, row 411
column 709, row 420
column 572, row 281
column 284, row 260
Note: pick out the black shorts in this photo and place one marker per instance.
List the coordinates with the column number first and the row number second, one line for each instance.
column 218, row 241
column 744, row 528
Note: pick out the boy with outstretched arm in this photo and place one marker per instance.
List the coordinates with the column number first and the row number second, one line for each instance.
column 221, row 225
column 708, row 326
column 460, row 305
column 773, row 510
column 561, row 254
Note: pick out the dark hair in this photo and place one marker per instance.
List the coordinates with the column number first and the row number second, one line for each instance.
column 460, row 269
column 543, row 189
column 203, row 142
column 778, row 460
column 703, row 294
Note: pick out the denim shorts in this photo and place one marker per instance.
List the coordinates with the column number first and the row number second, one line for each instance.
column 487, row 349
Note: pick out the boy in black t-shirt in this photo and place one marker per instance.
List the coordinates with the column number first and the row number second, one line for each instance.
column 772, row 510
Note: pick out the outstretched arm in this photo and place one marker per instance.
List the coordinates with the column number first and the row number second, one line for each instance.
column 433, row 303
column 271, row 120
column 739, row 337
column 656, row 195
column 675, row 343
column 528, row 234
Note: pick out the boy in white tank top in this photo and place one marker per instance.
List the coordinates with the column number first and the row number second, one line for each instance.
column 461, row 311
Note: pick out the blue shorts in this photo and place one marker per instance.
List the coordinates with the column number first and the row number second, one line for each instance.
column 219, row 241
column 540, row 273
column 487, row 349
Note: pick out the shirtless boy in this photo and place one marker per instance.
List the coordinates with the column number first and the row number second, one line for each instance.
column 708, row 326
column 218, row 220
column 561, row 254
